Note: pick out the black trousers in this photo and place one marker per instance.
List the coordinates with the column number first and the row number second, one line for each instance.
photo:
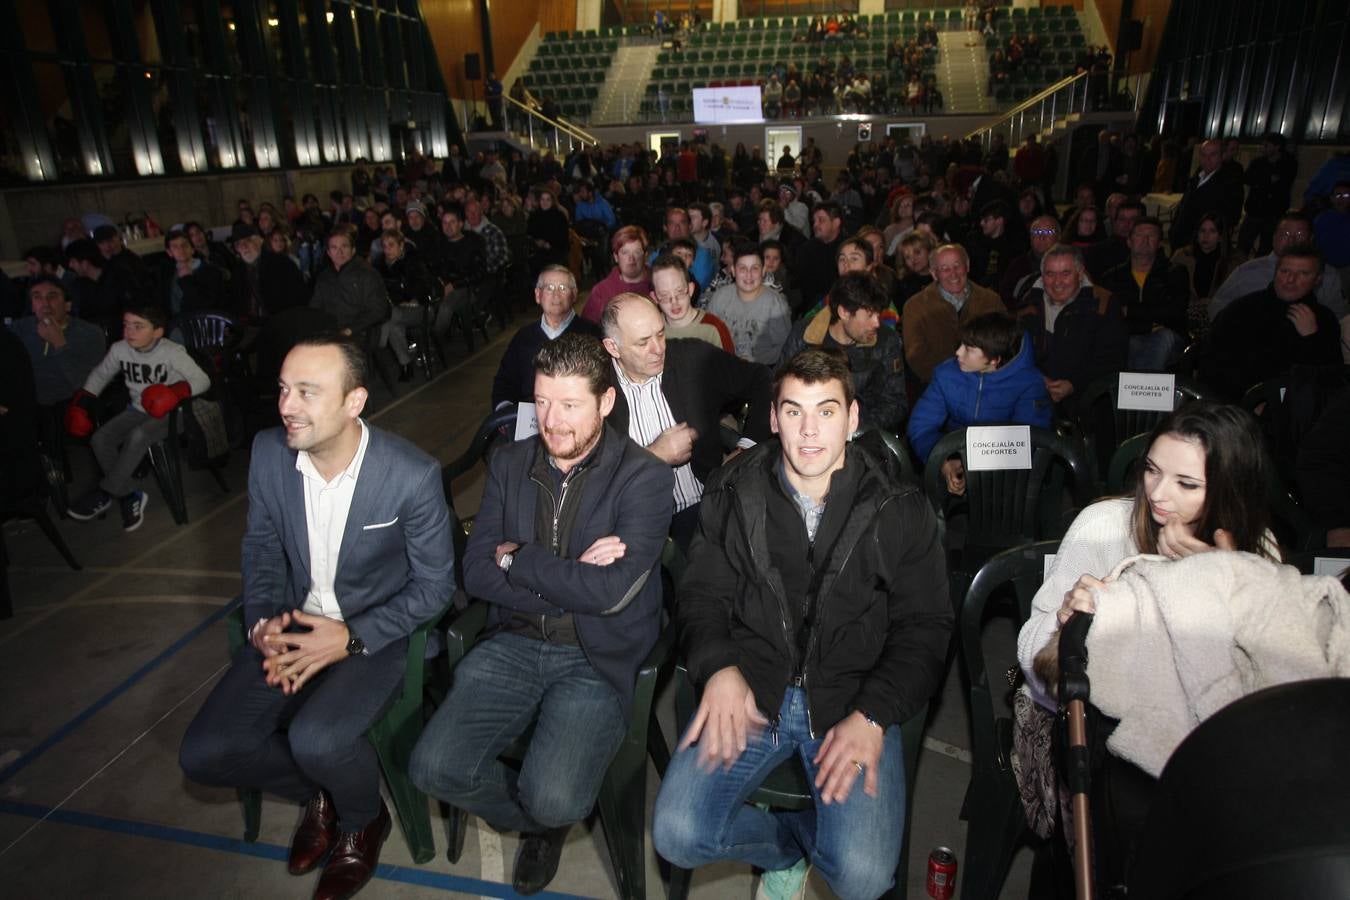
column 250, row 735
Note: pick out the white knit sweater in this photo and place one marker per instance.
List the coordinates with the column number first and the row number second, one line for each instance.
column 1099, row 538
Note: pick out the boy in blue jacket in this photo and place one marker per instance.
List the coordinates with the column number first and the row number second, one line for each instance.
column 992, row 379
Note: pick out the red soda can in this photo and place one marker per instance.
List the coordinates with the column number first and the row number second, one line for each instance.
column 942, row 874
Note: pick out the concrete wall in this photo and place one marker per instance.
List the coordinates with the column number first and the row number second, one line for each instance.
column 835, row 139
column 33, row 215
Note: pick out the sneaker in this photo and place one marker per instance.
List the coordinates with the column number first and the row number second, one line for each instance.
column 784, row 884
column 133, row 510
column 91, row 505
column 537, row 860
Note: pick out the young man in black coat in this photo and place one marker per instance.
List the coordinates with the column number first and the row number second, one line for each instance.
column 814, row 616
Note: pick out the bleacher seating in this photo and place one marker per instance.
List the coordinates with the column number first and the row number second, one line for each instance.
column 1059, row 32
column 571, row 66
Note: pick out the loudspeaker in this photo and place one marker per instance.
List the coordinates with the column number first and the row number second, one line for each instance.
column 1131, row 36
column 473, row 67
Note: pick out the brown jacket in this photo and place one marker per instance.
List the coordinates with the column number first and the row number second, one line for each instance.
column 931, row 328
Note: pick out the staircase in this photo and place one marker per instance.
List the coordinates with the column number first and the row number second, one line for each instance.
column 625, row 81
column 963, row 73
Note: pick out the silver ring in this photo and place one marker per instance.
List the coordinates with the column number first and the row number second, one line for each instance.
column 859, row 765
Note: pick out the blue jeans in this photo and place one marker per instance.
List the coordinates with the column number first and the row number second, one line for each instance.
column 1153, row 352
column 503, row 686
column 702, row 817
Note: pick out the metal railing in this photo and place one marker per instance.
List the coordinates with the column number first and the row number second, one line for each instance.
column 1077, row 94
column 541, row 132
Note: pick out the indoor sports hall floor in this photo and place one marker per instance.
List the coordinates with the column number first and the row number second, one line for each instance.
column 102, row 669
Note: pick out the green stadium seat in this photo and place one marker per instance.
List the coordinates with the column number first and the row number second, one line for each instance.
column 753, row 53
column 1034, row 12
column 1072, row 24
column 1077, row 40
column 719, row 70
column 703, row 71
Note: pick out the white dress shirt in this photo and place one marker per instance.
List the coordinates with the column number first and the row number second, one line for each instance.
column 326, row 506
column 649, row 414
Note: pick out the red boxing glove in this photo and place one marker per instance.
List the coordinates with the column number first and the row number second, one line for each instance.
column 79, row 422
column 158, row 400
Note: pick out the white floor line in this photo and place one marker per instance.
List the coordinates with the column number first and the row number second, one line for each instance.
column 949, row 750
column 491, row 865
column 103, row 768
column 41, row 614
column 122, row 570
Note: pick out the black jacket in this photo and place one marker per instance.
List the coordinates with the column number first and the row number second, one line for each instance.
column 1222, row 194
column 616, row 609
column 878, row 641
column 275, row 285
column 1090, row 339
column 1253, row 341
column 1162, row 301
column 699, row 382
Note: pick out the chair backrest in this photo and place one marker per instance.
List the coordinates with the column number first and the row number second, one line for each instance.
column 208, row 331
column 1023, row 568
column 1009, row 507
column 1105, row 426
column 1256, row 798
column 488, row 432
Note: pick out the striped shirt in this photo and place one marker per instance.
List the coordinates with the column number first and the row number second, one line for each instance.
column 648, row 415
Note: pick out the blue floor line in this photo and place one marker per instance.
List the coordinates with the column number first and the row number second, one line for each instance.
column 386, row 872
column 65, row 730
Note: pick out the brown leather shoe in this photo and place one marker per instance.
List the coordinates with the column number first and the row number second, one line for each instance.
column 355, row 857
column 317, row 831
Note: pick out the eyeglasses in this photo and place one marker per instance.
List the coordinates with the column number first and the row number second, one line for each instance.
column 1044, row 232
column 555, row 288
column 1341, row 195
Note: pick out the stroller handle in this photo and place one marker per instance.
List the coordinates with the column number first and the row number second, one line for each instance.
column 1073, row 658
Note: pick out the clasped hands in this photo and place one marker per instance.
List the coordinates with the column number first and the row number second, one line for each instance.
column 292, row 658
column 727, row 718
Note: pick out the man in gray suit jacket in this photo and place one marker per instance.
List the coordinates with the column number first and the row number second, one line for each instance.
column 346, row 552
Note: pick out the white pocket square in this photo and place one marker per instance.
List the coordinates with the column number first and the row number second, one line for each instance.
column 380, row 525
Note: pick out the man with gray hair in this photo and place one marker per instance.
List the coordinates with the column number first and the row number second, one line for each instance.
column 565, row 547
column 1077, row 329
column 931, row 326
column 555, row 292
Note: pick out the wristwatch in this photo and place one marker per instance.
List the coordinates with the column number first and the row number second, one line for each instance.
column 507, row 558
column 356, row 647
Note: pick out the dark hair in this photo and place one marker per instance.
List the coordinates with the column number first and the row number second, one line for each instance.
column 344, row 232
column 1151, row 221
column 576, row 354
column 1306, row 250
column 997, row 335
column 746, row 247
column 669, row 261
column 774, row 210
column 353, row 356
column 861, row 243
column 44, row 255
column 1235, row 477
column 1297, row 215
column 773, row 244
column 86, row 251
column 830, row 208
column 175, row 234
column 149, row 311
column 814, row 366
column 855, row 291
column 1131, row 204
column 703, row 210
column 994, row 209
column 453, row 208
column 46, row 279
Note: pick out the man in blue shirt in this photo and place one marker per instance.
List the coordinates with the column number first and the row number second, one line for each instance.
column 677, row 227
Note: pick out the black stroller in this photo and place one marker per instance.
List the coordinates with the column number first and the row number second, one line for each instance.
column 1253, row 805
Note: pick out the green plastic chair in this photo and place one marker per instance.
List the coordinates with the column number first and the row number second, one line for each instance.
column 786, row 786
column 993, row 806
column 623, row 795
column 1104, row 427
column 393, row 737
